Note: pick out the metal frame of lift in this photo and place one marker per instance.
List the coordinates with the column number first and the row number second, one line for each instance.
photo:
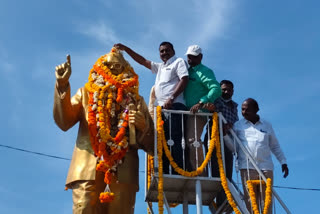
column 204, row 188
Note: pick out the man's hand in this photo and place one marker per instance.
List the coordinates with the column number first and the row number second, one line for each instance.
column 120, row 46
column 285, row 170
column 168, row 104
column 137, row 119
column 196, row 107
column 135, row 56
column 210, row 107
column 226, row 127
column 63, row 73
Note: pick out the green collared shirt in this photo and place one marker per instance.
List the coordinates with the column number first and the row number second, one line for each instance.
column 202, row 86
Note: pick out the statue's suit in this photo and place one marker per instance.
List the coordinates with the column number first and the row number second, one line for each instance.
column 82, row 173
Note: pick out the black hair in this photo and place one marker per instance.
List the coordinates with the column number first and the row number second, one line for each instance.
column 227, row 82
column 167, row 43
column 253, row 102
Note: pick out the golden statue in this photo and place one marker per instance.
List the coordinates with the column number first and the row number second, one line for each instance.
column 105, row 159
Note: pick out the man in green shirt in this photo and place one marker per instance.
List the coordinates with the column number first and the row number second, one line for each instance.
column 202, row 88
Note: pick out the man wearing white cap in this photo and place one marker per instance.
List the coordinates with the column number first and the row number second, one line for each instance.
column 202, row 88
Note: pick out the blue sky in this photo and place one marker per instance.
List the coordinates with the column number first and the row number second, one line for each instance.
column 269, row 49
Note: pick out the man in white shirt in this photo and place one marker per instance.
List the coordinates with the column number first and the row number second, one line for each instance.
column 171, row 80
column 257, row 135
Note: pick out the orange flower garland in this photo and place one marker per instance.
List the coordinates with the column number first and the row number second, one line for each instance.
column 150, row 173
column 106, row 197
column 160, row 141
column 267, row 200
column 215, row 141
column 150, row 168
column 251, row 184
column 162, row 145
column 223, row 176
column 175, row 166
column 109, row 98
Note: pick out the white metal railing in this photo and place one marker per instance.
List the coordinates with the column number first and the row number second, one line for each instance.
column 183, row 140
column 209, row 166
column 184, row 145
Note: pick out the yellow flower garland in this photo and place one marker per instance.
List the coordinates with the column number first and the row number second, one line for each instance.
column 223, row 176
column 200, row 169
column 251, row 184
column 161, row 144
column 267, row 202
column 160, row 139
column 150, row 173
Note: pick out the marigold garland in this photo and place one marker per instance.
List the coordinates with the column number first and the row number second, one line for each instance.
column 106, row 197
column 268, row 199
column 160, row 141
column 214, row 141
column 250, row 185
column 223, row 177
column 179, row 170
column 150, row 172
column 109, row 99
column 162, row 145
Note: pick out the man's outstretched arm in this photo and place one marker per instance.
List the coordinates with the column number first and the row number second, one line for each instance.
column 137, row 57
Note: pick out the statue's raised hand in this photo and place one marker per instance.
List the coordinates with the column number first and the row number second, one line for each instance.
column 63, row 73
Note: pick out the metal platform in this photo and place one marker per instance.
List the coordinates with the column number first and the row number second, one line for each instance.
column 176, row 187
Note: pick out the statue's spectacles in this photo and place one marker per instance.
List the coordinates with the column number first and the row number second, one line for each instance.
column 116, row 66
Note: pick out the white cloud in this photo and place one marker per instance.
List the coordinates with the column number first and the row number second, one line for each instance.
column 197, row 21
column 99, row 31
column 144, row 24
column 181, row 22
column 213, row 18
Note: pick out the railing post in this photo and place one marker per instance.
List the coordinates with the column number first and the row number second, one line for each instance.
column 221, row 142
column 185, row 203
column 198, row 197
column 166, row 203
